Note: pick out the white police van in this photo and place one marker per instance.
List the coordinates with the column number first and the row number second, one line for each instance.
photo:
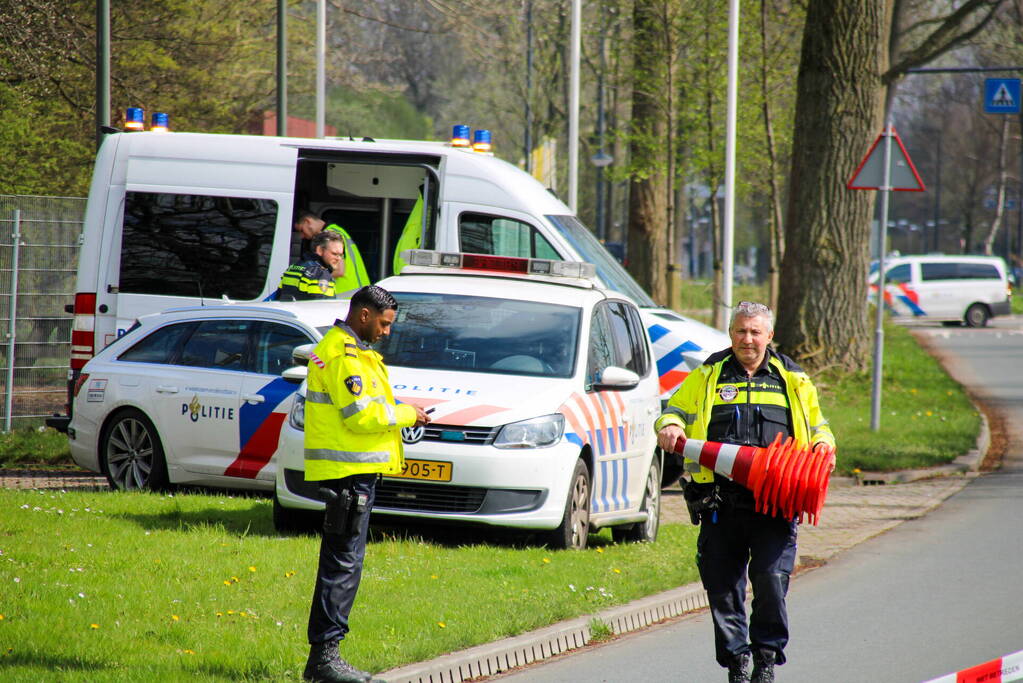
column 542, row 390
column 945, row 288
column 176, row 219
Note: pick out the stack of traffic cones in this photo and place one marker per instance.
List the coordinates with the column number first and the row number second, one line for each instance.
column 786, row 479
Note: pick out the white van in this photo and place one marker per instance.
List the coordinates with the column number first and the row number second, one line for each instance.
column 176, row 219
column 950, row 289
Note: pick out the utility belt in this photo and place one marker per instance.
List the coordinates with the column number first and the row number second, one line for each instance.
column 344, row 510
column 704, row 500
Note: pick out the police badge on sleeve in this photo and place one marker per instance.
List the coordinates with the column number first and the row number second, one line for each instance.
column 354, row 384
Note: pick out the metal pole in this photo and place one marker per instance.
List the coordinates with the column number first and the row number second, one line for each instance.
column 102, row 68
column 937, row 198
column 882, row 234
column 9, row 389
column 528, row 137
column 727, row 245
column 321, row 69
column 385, row 236
column 573, row 107
column 282, row 67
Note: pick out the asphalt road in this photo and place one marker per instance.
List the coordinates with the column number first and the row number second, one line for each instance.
column 933, row 596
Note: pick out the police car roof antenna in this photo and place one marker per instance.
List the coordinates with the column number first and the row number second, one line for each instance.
column 202, row 299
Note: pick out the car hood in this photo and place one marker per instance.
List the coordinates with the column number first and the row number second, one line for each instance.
column 479, row 399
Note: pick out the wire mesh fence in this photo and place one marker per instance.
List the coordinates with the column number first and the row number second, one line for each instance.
column 39, row 245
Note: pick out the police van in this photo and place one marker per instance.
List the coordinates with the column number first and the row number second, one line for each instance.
column 948, row 289
column 176, row 219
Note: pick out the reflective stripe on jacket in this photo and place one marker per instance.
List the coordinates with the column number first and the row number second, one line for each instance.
column 690, row 406
column 355, row 275
column 309, row 279
column 352, row 424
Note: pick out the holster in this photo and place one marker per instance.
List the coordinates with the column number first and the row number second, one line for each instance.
column 336, row 516
column 700, row 499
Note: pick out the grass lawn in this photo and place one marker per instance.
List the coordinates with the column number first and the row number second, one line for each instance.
column 100, row 586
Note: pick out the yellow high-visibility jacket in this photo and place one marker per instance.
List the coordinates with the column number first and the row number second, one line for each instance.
column 690, row 406
column 352, row 423
column 355, row 276
column 411, row 235
column 309, row 279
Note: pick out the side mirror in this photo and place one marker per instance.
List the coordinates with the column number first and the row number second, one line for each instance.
column 614, row 378
column 295, row 374
column 300, row 355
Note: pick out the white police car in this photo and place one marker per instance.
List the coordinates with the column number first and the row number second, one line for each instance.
column 194, row 395
column 543, row 393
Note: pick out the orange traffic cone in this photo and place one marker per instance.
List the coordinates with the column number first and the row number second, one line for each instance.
column 786, row 479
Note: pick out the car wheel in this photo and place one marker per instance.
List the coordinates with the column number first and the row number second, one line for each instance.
column 976, row 315
column 644, row 532
column 295, row 521
column 575, row 524
column 131, row 453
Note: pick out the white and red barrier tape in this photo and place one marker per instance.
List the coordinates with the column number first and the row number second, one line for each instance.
column 1001, row 670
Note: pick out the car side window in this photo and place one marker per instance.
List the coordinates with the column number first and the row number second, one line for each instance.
column 219, row 345
column 274, row 344
column 483, row 234
column 898, row 275
column 637, row 339
column 938, row 271
column 601, row 351
column 160, row 346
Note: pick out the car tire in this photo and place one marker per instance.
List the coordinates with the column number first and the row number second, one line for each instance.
column 295, row 521
column 644, row 532
column 574, row 529
column 976, row 315
column 131, row 453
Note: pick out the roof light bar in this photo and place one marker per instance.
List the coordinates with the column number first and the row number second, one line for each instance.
column 460, row 135
column 135, row 119
column 499, row 264
column 160, row 120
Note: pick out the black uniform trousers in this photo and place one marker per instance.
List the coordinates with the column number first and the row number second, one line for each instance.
column 340, row 567
column 742, row 537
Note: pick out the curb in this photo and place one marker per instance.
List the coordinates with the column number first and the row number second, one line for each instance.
column 508, row 653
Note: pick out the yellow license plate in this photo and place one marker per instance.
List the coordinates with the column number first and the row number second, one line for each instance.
column 430, row 470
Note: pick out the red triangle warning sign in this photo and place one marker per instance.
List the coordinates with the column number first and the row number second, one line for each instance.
column 903, row 176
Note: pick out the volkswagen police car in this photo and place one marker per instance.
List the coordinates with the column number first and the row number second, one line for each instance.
column 542, row 390
column 194, row 395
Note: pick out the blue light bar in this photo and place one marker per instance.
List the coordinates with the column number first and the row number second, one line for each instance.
column 460, row 136
column 135, row 119
column 159, row 122
column 481, row 140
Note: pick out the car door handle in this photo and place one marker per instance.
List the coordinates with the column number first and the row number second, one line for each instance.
column 253, row 398
column 166, row 389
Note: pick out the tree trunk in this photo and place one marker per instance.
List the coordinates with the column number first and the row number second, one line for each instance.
column 996, row 224
column 822, row 319
column 648, row 189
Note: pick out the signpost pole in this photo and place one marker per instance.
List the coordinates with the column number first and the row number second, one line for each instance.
column 882, row 240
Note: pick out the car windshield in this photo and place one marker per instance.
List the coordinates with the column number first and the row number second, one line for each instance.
column 592, row 251
column 482, row 334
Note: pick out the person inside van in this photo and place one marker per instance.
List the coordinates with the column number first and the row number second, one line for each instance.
column 353, row 275
column 314, row 275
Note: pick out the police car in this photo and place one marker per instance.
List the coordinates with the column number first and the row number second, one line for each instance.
column 542, row 389
column 194, row 395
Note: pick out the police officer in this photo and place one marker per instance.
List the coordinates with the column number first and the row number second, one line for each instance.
column 353, row 275
column 352, row 435
column 744, row 395
column 313, row 276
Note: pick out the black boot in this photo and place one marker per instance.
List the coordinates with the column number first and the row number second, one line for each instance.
column 763, row 666
column 738, row 668
column 326, row 666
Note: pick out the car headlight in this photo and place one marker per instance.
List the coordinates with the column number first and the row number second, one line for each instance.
column 533, row 433
column 296, row 418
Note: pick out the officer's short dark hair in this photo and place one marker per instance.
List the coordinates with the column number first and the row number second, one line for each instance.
column 376, row 298
column 303, row 214
column 321, row 239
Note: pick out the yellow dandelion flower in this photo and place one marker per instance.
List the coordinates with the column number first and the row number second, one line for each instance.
column 442, row 624
column 93, row 626
column 252, row 569
column 235, row 579
column 600, row 550
column 188, row 652
column 912, row 391
column 1, row 617
column 230, row 611
column 288, row 575
column 856, row 470
column 220, row 614
column 226, row 582
column 546, row 560
column 175, row 617
column 433, row 576
column 929, row 413
column 617, row 571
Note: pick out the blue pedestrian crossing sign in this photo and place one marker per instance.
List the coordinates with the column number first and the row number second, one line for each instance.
column 1001, row 96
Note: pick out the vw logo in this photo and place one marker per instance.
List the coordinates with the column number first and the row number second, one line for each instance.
column 412, row 434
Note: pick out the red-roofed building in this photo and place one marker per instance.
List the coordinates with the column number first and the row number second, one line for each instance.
column 296, row 127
